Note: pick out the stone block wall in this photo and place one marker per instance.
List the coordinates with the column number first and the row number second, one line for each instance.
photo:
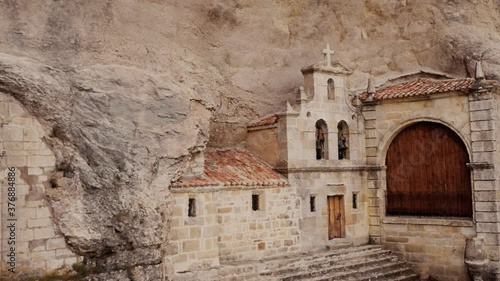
column 484, row 114
column 431, row 246
column 264, row 143
column 314, row 225
column 195, row 239
column 330, row 176
column 248, row 234
column 299, row 133
column 39, row 247
column 301, row 139
column 384, row 121
column 316, row 86
column 226, row 228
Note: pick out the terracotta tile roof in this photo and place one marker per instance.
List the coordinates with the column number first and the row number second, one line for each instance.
column 234, row 167
column 420, row 87
column 269, row 120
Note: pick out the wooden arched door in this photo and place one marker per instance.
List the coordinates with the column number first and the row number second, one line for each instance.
column 427, row 173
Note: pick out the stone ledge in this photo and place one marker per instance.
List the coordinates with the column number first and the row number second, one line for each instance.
column 353, row 168
column 480, row 165
column 217, row 188
column 458, row 222
column 265, row 127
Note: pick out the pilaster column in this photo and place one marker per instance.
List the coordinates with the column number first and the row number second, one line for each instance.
column 485, row 165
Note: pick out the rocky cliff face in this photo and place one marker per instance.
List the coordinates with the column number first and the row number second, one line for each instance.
column 128, row 91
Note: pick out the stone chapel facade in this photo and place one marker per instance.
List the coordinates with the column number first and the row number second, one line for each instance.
column 412, row 165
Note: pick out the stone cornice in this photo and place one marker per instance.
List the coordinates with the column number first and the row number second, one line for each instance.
column 218, row 188
column 480, row 166
column 258, row 128
column 331, row 169
column 284, row 114
column 422, row 220
column 337, row 68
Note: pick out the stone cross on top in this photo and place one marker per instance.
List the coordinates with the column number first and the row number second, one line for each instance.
column 328, row 53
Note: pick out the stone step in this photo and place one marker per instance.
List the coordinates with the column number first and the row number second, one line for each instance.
column 365, row 256
column 408, row 277
column 336, row 254
column 357, row 263
column 350, row 267
column 337, row 244
column 328, row 261
column 268, row 266
column 368, row 272
column 361, row 263
column 395, row 274
column 349, row 251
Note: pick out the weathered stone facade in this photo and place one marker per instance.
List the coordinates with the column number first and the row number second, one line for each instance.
column 325, row 98
column 436, row 245
column 331, row 146
column 433, row 245
column 226, row 228
column 223, row 225
column 34, row 239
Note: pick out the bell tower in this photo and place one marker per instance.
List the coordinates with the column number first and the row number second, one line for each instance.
column 320, row 126
column 325, row 81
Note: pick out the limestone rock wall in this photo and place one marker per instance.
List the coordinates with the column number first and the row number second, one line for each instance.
column 108, row 192
column 127, row 90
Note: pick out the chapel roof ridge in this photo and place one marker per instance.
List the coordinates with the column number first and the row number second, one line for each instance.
column 419, row 87
column 337, row 67
column 228, row 167
column 423, row 70
column 266, row 120
column 393, row 77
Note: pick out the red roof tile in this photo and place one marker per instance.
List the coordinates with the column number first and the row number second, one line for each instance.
column 234, row 168
column 420, row 87
column 269, row 120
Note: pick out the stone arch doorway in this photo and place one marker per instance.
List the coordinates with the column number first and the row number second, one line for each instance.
column 427, row 173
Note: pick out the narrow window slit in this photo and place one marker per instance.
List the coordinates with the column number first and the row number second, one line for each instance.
column 312, row 203
column 255, row 202
column 192, row 207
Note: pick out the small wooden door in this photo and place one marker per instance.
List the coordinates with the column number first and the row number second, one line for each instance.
column 336, row 216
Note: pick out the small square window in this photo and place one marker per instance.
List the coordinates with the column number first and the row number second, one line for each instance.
column 354, row 200
column 192, row 207
column 255, row 202
column 312, row 203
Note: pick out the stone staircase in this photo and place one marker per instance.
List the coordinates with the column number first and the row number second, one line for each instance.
column 355, row 263
column 362, row 263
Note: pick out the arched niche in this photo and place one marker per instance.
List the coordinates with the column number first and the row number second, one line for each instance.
column 321, row 139
column 331, row 89
column 343, row 140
